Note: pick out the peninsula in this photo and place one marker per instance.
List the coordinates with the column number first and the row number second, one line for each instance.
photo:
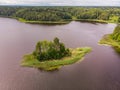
column 112, row 39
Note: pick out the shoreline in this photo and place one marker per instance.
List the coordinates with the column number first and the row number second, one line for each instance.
column 60, row 22
column 108, row 41
column 44, row 22
column 92, row 21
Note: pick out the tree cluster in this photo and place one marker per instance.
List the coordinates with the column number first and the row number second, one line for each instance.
column 116, row 34
column 50, row 50
column 60, row 13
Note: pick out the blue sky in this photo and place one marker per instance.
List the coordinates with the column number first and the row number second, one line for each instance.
column 62, row 2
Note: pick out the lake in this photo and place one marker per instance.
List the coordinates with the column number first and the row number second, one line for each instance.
column 100, row 70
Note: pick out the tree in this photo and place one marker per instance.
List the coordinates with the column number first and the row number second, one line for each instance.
column 56, row 41
column 119, row 20
column 50, row 50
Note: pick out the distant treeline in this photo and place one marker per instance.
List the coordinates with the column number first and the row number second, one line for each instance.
column 61, row 13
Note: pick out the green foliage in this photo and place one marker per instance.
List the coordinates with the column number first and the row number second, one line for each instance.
column 46, row 14
column 50, row 50
column 112, row 39
column 76, row 55
column 119, row 19
column 116, row 34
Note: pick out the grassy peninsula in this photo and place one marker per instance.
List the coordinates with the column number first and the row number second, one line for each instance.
column 52, row 55
column 112, row 39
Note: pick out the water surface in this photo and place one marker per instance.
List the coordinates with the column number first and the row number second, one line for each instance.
column 100, row 70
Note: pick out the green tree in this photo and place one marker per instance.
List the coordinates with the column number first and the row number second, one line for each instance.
column 50, row 50
column 119, row 20
column 56, row 41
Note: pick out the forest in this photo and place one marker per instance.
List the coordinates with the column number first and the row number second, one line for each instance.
column 109, row 14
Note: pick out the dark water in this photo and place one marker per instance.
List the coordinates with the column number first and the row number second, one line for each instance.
column 100, row 70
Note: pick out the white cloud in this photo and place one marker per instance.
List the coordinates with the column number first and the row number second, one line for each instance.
column 63, row 2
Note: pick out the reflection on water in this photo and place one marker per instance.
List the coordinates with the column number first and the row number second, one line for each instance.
column 98, row 71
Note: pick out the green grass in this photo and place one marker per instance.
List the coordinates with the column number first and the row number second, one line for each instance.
column 107, row 40
column 77, row 54
column 44, row 22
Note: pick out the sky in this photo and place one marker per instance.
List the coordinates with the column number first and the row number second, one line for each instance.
column 62, row 2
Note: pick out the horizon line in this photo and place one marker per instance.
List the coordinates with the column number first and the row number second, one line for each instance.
column 62, row 5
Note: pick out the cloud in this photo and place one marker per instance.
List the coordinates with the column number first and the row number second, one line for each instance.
column 62, row 2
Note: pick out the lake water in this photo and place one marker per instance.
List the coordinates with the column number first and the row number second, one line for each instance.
column 100, row 70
